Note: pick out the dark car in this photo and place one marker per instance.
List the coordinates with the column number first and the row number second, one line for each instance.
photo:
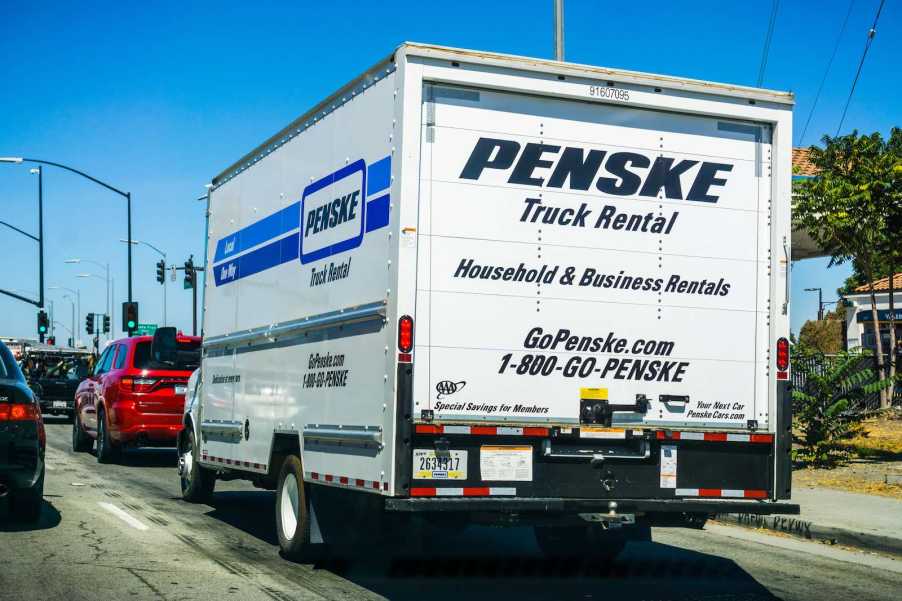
column 22, row 441
column 54, row 374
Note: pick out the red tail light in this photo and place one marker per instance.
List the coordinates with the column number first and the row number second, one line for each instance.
column 19, row 412
column 138, row 384
column 405, row 334
column 782, row 359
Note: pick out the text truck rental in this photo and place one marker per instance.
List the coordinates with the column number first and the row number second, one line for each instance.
column 478, row 287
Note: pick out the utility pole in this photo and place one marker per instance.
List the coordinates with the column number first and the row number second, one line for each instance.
column 559, row 30
column 41, row 234
column 820, row 302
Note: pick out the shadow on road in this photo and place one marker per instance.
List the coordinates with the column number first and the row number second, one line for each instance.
column 50, row 518
column 504, row 563
column 483, row 563
column 247, row 510
column 148, row 457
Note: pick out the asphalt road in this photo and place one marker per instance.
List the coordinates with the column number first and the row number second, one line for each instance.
column 122, row 532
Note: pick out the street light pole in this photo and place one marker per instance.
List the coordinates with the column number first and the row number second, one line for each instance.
column 126, row 195
column 72, row 331
column 162, row 254
column 109, row 298
column 40, row 235
column 75, row 307
column 820, row 302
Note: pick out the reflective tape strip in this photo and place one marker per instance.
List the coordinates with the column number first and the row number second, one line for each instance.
column 468, row 491
column 344, row 481
column 482, row 430
column 721, row 493
column 714, row 436
column 258, row 467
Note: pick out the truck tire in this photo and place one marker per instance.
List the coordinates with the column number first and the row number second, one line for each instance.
column 590, row 543
column 292, row 510
column 197, row 482
column 25, row 503
column 107, row 451
column 81, row 442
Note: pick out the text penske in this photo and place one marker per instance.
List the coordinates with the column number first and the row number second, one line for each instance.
column 615, row 173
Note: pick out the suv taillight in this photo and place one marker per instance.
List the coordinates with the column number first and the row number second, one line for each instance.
column 138, row 384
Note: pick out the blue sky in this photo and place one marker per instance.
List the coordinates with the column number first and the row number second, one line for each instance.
column 158, row 97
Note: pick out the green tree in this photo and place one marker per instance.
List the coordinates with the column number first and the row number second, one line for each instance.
column 853, row 209
column 826, row 335
column 825, row 411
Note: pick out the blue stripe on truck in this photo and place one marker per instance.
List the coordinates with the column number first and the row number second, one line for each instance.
column 231, row 265
column 258, row 232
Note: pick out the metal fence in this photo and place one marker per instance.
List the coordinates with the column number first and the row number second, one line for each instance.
column 869, row 402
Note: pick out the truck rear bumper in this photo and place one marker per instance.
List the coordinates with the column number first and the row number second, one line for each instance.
column 566, row 506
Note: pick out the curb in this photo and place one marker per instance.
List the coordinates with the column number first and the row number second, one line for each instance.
column 806, row 530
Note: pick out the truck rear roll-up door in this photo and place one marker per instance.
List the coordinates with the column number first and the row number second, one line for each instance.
column 571, row 245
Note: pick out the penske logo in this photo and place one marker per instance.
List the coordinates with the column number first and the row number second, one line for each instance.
column 615, row 173
column 332, row 217
column 333, row 214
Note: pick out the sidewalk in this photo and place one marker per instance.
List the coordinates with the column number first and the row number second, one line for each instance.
column 832, row 516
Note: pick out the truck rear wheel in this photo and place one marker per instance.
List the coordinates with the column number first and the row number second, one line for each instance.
column 591, row 542
column 292, row 510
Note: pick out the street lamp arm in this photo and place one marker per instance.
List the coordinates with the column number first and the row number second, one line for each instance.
column 23, row 232
column 81, row 173
column 155, row 248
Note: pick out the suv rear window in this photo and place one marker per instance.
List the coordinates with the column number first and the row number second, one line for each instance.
column 188, row 357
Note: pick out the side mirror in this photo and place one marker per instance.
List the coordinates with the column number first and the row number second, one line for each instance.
column 164, row 348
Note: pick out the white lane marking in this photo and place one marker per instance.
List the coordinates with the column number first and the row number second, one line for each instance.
column 123, row 515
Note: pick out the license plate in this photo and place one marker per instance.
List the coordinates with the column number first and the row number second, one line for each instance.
column 427, row 465
column 59, row 404
column 181, row 389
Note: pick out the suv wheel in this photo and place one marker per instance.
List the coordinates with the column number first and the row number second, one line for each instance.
column 107, row 451
column 196, row 480
column 25, row 503
column 81, row 442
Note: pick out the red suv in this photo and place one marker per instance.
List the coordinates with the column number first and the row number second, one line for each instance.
column 133, row 399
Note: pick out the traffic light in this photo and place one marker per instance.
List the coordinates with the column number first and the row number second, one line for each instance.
column 161, row 271
column 43, row 322
column 51, row 340
column 89, row 323
column 190, row 274
column 106, row 324
column 129, row 316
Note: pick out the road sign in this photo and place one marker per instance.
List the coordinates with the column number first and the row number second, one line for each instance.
column 146, row 329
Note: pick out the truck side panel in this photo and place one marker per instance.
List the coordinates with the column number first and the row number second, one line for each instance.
column 295, row 344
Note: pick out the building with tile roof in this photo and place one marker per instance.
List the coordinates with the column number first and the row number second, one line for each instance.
column 860, row 330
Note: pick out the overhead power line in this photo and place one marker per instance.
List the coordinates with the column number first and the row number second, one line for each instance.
column 867, row 46
column 842, row 30
column 767, row 40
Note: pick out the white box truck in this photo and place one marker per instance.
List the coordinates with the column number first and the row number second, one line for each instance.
column 472, row 286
